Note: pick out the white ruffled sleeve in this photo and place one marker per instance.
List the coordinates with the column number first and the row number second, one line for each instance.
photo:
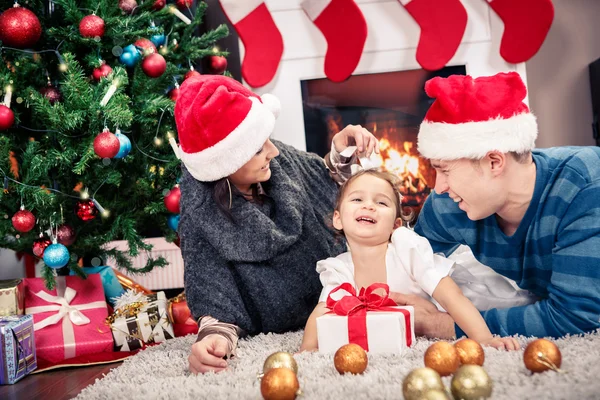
column 333, row 272
column 416, row 255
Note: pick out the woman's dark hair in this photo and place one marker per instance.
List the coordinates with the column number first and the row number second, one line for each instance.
column 224, row 192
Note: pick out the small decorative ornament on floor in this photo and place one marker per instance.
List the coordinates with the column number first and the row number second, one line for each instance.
column 351, row 358
column 471, row 382
column 442, row 357
column 280, row 384
column 435, row 394
column 280, row 359
column 421, row 381
column 470, row 352
column 542, row 355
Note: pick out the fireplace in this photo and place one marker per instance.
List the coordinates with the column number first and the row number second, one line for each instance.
column 391, row 105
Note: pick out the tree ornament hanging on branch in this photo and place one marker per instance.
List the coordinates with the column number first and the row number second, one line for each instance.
column 127, row 6
column 191, row 73
column 172, row 200
column 154, row 65
column 19, row 27
column 56, row 255
column 86, row 210
column 102, row 71
column 159, row 5
column 130, row 56
column 174, row 93
column 106, row 144
column 146, row 45
column 91, row 26
column 51, row 93
column 7, row 117
column 125, row 145
column 217, row 64
column 23, row 220
column 65, row 234
column 39, row 246
column 184, row 4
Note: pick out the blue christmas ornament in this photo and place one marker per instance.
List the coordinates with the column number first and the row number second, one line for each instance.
column 130, row 56
column 158, row 39
column 172, row 221
column 56, row 255
column 125, row 145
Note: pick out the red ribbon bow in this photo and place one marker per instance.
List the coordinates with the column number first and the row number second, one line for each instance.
column 356, row 307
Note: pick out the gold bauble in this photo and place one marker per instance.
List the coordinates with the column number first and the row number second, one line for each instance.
column 471, row 382
column 279, row 384
column 420, row 381
column 351, row 358
column 542, row 355
column 435, row 394
column 281, row 359
column 442, row 357
column 470, row 352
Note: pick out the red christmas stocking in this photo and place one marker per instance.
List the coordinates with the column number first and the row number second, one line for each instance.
column 526, row 24
column 443, row 24
column 345, row 29
column 262, row 40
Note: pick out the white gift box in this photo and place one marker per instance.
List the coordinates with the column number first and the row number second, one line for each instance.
column 388, row 332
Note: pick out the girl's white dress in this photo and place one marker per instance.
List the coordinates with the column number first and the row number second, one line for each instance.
column 413, row 268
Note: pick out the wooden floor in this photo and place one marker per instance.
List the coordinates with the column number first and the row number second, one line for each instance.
column 60, row 384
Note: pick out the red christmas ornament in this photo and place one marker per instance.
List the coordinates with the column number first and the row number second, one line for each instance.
column 127, row 6
column 91, row 26
column 159, row 4
column 184, row 4
column 86, row 210
column 106, row 144
column 40, row 245
column 146, row 45
column 174, row 94
column 172, row 200
column 51, row 93
column 154, row 65
column 23, row 220
column 102, row 71
column 7, row 117
column 65, row 235
column 217, row 64
column 19, row 27
column 191, row 74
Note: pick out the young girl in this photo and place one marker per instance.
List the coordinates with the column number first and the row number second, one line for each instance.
column 368, row 213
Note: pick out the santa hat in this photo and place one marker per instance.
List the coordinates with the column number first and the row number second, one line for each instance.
column 471, row 117
column 221, row 125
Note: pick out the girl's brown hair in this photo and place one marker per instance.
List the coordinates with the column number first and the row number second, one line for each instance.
column 390, row 178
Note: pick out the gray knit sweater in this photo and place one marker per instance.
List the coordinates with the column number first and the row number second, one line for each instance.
column 259, row 271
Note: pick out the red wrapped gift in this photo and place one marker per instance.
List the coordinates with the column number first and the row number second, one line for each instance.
column 69, row 321
column 181, row 317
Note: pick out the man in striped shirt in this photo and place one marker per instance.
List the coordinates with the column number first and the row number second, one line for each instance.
column 531, row 215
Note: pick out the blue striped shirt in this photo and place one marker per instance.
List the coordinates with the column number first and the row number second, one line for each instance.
column 555, row 252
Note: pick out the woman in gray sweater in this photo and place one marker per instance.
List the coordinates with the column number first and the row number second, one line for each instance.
column 253, row 216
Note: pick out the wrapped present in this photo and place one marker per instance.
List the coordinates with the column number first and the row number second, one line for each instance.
column 140, row 320
column 11, row 297
column 110, row 282
column 370, row 320
column 69, row 320
column 17, row 350
column 181, row 316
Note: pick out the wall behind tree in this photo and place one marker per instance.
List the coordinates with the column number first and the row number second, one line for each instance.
column 558, row 77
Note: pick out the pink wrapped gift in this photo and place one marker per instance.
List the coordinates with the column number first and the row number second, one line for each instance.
column 69, row 320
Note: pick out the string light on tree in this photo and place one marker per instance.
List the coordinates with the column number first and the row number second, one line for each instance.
column 91, row 26
column 111, row 91
column 179, row 14
column 19, row 27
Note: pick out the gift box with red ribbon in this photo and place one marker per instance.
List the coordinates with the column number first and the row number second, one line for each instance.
column 368, row 319
column 69, row 320
column 181, row 316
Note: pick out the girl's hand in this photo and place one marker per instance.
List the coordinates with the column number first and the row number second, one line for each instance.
column 207, row 355
column 504, row 343
column 356, row 135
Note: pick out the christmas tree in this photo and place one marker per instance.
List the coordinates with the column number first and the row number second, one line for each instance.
column 87, row 125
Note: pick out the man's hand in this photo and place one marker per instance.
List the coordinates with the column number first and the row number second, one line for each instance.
column 207, row 355
column 356, row 135
column 429, row 321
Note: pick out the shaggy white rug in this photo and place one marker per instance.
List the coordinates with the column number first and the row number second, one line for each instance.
column 161, row 372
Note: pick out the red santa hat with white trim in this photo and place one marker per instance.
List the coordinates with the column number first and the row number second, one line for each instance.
column 221, row 125
column 472, row 116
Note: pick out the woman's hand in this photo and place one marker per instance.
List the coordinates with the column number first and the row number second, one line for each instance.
column 502, row 343
column 207, row 355
column 356, row 135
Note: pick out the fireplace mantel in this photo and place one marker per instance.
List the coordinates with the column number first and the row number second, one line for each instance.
column 391, row 46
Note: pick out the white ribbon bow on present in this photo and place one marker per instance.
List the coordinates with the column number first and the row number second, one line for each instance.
column 67, row 313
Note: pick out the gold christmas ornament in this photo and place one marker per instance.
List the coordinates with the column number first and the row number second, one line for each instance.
column 442, row 357
column 419, row 382
column 351, row 358
column 280, row 359
column 542, row 355
column 471, row 382
column 435, row 394
column 279, row 384
column 470, row 352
